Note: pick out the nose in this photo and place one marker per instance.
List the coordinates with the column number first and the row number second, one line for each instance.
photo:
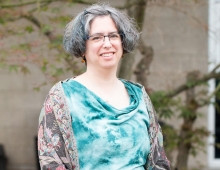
column 106, row 42
column 106, row 36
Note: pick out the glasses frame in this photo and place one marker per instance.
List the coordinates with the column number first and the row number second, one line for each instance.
column 103, row 36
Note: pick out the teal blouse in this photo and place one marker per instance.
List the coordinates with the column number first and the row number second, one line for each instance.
column 108, row 138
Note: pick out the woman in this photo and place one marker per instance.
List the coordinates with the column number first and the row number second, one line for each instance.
column 95, row 120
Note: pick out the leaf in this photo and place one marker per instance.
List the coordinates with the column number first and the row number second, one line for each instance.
column 55, row 10
column 44, row 67
column 24, row 46
column 62, row 20
column 29, row 29
column 217, row 145
column 25, row 70
column 2, row 65
column 57, row 43
column 45, row 8
column 13, row 68
column 189, row 83
column 186, row 112
column 36, row 89
column 2, row 21
column 164, row 106
column 47, row 28
column 59, row 71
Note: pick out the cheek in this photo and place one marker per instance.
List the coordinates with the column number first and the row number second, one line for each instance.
column 91, row 49
column 120, row 47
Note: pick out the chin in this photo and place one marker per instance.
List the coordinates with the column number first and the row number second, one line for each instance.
column 109, row 66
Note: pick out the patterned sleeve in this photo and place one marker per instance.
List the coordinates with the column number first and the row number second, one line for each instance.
column 53, row 135
column 157, row 159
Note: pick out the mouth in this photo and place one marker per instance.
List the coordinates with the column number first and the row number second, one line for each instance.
column 107, row 54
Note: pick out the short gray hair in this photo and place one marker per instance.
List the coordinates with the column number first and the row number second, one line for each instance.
column 77, row 30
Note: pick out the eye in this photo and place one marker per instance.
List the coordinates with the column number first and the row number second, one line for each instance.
column 114, row 36
column 96, row 38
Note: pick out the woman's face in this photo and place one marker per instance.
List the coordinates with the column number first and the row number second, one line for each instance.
column 102, row 52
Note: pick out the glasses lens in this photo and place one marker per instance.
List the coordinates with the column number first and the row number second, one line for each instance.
column 114, row 36
column 99, row 37
column 96, row 38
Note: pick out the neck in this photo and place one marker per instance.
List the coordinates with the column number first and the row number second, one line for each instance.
column 101, row 77
column 103, row 83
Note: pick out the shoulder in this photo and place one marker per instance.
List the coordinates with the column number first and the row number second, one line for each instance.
column 132, row 83
column 146, row 97
column 57, row 88
column 137, row 87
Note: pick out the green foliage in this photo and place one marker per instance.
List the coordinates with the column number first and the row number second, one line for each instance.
column 62, row 20
column 198, row 145
column 46, row 28
column 59, row 63
column 56, row 72
column 14, row 59
column 217, row 145
column 189, row 83
column 44, row 66
column 170, row 136
column 2, row 21
column 163, row 105
column 13, row 68
column 168, row 107
column 217, row 96
column 25, row 70
column 44, row 8
column 37, row 88
column 23, row 46
column 2, row 65
column 185, row 112
column 55, row 10
column 56, row 43
column 29, row 29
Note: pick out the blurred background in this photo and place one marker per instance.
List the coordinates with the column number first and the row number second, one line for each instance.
column 177, row 60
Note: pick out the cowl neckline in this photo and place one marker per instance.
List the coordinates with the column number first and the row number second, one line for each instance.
column 107, row 107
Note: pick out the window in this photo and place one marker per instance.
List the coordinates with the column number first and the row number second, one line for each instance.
column 214, row 59
column 217, row 125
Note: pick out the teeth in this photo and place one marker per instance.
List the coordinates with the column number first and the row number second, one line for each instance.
column 107, row 54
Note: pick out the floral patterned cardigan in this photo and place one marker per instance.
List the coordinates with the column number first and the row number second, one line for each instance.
column 56, row 144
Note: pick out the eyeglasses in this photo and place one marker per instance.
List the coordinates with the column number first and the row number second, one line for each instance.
column 101, row 38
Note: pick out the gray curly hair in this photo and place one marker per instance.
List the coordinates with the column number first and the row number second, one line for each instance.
column 77, row 30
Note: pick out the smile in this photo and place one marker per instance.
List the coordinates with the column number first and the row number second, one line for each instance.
column 107, row 54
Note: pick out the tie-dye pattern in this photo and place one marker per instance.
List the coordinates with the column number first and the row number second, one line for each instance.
column 106, row 137
column 57, row 148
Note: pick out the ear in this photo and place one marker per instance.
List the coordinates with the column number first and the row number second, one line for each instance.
column 83, row 58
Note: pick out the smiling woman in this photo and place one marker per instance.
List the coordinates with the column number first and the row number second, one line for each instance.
column 106, row 53
column 96, row 120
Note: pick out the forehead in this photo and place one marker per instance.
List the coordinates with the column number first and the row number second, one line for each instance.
column 102, row 24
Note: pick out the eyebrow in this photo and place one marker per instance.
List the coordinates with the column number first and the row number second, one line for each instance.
column 103, row 34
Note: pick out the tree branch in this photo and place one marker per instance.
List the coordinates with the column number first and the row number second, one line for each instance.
column 204, row 25
column 126, row 6
column 191, row 84
column 216, row 67
column 24, row 3
column 41, row 1
column 83, row 2
column 207, row 100
column 143, row 67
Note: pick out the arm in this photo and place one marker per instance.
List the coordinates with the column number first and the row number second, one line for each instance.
column 157, row 159
column 55, row 140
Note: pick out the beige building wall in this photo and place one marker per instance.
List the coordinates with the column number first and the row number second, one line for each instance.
column 179, row 41
column 179, row 38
